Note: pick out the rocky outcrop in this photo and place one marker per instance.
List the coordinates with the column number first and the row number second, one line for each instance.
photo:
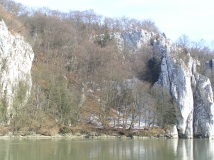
column 203, row 107
column 177, row 78
column 191, row 92
column 16, row 58
column 136, row 39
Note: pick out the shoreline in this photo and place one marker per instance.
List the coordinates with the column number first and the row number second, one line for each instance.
column 97, row 134
column 78, row 136
column 85, row 136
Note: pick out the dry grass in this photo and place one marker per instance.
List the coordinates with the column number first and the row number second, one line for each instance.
column 48, row 127
column 4, row 131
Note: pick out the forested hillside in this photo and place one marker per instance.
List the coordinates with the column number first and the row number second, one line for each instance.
column 82, row 79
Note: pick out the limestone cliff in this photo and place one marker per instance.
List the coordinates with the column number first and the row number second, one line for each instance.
column 136, row 39
column 16, row 58
column 191, row 92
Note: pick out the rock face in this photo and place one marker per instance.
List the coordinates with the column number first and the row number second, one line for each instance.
column 191, row 92
column 193, row 95
column 203, row 107
column 136, row 39
column 16, row 58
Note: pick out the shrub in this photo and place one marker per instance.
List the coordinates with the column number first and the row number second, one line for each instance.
column 64, row 130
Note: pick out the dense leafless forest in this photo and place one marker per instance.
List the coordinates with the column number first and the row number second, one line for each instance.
column 76, row 77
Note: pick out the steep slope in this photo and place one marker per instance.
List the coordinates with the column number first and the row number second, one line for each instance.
column 191, row 92
column 16, row 58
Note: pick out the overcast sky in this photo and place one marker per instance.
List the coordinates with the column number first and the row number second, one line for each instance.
column 194, row 18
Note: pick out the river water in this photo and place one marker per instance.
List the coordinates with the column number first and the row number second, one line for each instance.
column 107, row 149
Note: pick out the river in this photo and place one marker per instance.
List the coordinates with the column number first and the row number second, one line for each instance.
column 106, row 149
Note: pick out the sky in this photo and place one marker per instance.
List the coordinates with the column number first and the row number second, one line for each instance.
column 194, row 18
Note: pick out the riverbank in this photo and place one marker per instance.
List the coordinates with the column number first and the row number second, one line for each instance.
column 95, row 133
column 70, row 136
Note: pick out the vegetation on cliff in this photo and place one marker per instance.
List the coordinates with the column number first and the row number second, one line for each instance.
column 76, row 79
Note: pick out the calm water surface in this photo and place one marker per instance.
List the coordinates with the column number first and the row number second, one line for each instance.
column 110, row 149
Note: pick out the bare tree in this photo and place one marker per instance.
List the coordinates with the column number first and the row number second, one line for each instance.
column 149, row 25
column 183, row 41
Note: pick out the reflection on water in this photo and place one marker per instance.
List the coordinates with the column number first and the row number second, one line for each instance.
column 111, row 149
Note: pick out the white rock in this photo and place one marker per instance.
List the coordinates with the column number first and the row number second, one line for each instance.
column 16, row 58
column 191, row 92
column 203, row 108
